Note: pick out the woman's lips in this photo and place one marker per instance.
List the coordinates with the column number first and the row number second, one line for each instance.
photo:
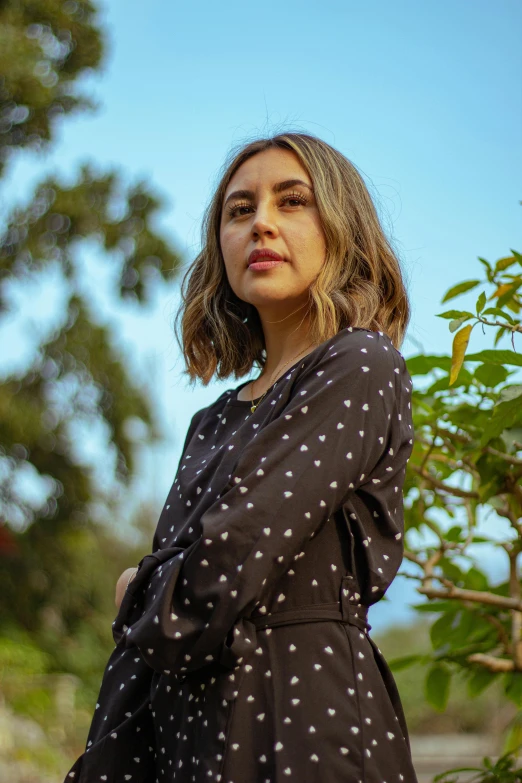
column 265, row 263
column 263, row 254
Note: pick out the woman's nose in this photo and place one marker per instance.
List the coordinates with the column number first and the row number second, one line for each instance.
column 264, row 220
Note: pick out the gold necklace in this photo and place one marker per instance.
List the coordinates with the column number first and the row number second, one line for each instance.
column 252, row 388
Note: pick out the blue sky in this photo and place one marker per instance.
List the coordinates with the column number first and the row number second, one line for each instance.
column 424, row 98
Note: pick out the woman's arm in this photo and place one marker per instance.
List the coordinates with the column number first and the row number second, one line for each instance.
column 347, row 424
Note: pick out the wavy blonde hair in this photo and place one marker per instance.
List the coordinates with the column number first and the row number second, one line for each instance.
column 360, row 283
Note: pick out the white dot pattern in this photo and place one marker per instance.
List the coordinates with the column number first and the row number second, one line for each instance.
column 242, row 646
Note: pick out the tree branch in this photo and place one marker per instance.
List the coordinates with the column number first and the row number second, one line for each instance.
column 510, row 327
column 461, row 493
column 476, row 596
column 505, row 457
column 492, row 663
column 516, row 616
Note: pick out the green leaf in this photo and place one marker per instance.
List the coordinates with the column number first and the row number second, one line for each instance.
column 489, row 268
column 442, row 629
column 464, row 380
column 451, row 570
column 513, row 687
column 422, row 365
column 490, row 375
column 499, row 313
column 492, row 356
column 462, row 628
column 476, row 580
column 455, row 314
column 459, row 289
column 396, row 664
column 504, row 263
column 454, row 533
column 492, row 472
column 479, row 680
column 507, row 296
column 437, row 686
column 500, row 333
column 505, row 415
column 481, row 302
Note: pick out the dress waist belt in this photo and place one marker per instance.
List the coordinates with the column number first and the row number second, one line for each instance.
column 346, row 613
column 348, row 610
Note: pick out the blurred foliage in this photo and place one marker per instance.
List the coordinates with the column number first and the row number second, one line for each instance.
column 49, row 679
column 58, row 563
column 500, row 771
column 45, row 47
column 488, row 713
column 466, row 467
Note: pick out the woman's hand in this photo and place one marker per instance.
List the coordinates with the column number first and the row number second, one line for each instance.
column 121, row 585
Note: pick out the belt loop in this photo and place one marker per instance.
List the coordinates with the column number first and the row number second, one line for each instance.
column 348, row 595
column 352, row 610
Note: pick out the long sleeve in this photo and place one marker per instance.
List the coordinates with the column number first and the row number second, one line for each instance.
column 122, row 718
column 339, row 431
column 196, row 418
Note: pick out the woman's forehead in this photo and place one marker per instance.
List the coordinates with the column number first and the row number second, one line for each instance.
column 269, row 167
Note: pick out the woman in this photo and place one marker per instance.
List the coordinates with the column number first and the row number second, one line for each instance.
column 242, row 648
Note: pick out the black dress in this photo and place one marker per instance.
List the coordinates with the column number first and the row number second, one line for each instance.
column 242, row 649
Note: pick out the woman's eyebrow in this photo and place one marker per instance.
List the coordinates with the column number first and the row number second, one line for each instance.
column 278, row 188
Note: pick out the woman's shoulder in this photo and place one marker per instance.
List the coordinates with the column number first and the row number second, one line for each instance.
column 359, row 343
column 352, row 356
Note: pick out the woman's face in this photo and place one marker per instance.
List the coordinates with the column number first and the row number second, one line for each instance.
column 286, row 221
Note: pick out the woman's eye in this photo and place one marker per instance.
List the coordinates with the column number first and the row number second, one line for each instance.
column 235, row 209
column 295, row 197
column 232, row 211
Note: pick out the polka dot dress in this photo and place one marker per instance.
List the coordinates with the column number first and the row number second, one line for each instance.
column 243, row 652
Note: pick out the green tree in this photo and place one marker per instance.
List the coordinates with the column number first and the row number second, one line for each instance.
column 466, row 467
column 57, row 566
column 45, row 47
